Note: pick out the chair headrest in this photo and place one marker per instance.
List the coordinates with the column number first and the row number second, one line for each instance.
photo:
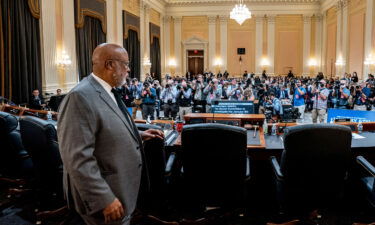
column 318, row 128
column 212, row 126
column 318, row 139
column 31, row 125
column 8, row 122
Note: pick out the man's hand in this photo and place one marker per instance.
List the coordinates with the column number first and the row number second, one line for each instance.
column 152, row 133
column 113, row 211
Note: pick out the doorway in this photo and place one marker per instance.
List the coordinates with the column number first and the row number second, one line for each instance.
column 195, row 61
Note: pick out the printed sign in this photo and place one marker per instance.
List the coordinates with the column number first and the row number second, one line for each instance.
column 354, row 115
column 233, row 107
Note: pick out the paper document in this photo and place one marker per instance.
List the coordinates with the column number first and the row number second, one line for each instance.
column 357, row 136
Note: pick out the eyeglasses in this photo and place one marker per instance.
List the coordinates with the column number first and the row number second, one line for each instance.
column 126, row 64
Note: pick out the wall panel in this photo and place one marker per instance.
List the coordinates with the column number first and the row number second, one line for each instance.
column 132, row 6
column 357, row 10
column 241, row 37
column 288, row 46
column 194, row 26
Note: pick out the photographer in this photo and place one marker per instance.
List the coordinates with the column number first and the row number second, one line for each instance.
column 136, row 90
column 168, row 96
column 276, row 104
column 342, row 94
column 248, row 94
column 213, row 93
column 127, row 96
column 282, row 93
column 183, row 99
column 158, row 90
column 198, row 86
column 262, row 94
column 360, row 99
column 320, row 98
column 299, row 100
column 235, row 91
column 148, row 101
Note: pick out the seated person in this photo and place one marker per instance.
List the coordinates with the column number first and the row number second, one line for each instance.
column 282, row 93
column 6, row 101
column 276, row 103
column 36, row 101
column 55, row 100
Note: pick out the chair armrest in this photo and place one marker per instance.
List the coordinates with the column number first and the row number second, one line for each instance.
column 23, row 154
column 366, row 165
column 276, row 168
column 248, row 174
column 170, row 163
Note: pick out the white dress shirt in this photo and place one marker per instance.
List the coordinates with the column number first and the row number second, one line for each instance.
column 106, row 87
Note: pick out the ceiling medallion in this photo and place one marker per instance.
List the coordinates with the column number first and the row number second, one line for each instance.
column 240, row 12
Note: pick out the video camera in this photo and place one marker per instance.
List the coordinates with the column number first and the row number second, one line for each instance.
column 290, row 114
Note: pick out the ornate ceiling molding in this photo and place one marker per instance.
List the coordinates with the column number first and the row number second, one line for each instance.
column 205, row 2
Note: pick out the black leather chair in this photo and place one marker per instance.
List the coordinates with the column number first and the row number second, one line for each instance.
column 14, row 159
column 215, row 166
column 40, row 139
column 314, row 167
column 155, row 157
column 368, row 181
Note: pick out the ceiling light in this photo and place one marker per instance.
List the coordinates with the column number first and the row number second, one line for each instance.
column 240, row 12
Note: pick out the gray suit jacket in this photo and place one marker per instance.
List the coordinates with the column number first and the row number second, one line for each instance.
column 100, row 150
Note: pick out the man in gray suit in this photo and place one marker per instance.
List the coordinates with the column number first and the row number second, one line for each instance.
column 100, row 146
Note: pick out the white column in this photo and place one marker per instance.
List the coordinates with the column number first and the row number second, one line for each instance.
column 69, row 40
column 48, row 41
column 339, row 56
column 162, row 49
column 177, row 44
column 224, row 41
column 119, row 27
column 306, row 44
column 147, row 43
column 211, row 42
column 110, row 4
column 345, row 35
column 167, row 44
column 142, row 36
column 318, row 42
column 258, row 44
column 369, row 26
column 271, row 44
column 324, row 44
column 145, row 38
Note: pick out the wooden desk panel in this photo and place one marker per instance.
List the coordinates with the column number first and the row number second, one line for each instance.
column 14, row 110
column 245, row 118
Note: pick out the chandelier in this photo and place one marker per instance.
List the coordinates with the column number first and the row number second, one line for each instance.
column 240, row 12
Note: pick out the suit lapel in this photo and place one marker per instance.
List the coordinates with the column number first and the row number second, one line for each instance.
column 112, row 105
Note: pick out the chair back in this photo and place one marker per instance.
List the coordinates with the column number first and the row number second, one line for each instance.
column 315, row 162
column 155, row 160
column 40, row 139
column 214, row 163
column 13, row 157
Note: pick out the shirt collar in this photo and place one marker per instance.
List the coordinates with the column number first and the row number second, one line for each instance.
column 102, row 82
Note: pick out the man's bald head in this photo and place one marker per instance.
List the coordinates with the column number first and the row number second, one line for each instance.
column 105, row 52
column 110, row 62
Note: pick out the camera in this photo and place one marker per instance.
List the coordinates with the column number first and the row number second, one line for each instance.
column 167, row 86
column 268, row 110
column 290, row 114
